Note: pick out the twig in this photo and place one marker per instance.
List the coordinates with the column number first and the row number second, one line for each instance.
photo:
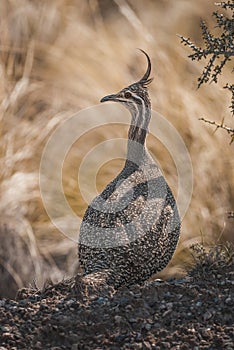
column 222, row 126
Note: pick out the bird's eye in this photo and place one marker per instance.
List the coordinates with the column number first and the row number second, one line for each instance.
column 127, row 94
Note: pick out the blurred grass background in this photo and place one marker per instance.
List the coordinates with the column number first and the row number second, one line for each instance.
column 60, row 56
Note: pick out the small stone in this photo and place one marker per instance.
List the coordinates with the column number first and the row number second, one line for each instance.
column 207, row 316
column 167, row 312
column 138, row 336
column 129, row 308
column 228, row 301
column 74, row 347
column 169, row 305
column 119, row 338
column 157, row 325
column 118, row 319
column 147, row 345
column 148, row 326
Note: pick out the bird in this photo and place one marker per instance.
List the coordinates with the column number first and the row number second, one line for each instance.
column 131, row 229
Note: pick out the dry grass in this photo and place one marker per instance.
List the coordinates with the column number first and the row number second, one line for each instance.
column 58, row 57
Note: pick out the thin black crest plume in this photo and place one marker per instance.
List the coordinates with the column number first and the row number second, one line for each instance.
column 145, row 80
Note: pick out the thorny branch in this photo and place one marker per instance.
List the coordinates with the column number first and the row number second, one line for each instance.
column 222, row 126
column 218, row 50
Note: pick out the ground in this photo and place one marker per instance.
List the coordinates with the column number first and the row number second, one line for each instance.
column 195, row 312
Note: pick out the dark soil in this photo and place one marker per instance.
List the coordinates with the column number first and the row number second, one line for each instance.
column 195, row 313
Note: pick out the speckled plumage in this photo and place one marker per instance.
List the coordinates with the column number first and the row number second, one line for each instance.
column 130, row 231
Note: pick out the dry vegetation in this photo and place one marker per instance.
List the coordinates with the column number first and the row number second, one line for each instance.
column 58, row 57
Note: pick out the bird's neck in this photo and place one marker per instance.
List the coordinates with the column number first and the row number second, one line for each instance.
column 137, row 134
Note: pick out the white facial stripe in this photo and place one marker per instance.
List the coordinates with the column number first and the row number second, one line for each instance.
column 141, row 114
column 140, row 118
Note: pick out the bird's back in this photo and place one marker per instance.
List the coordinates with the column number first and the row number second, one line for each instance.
column 131, row 229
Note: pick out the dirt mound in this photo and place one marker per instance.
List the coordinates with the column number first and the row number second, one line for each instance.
column 192, row 313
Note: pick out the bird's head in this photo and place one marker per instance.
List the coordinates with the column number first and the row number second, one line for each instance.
column 135, row 94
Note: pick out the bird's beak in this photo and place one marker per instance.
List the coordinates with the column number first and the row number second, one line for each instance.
column 113, row 97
